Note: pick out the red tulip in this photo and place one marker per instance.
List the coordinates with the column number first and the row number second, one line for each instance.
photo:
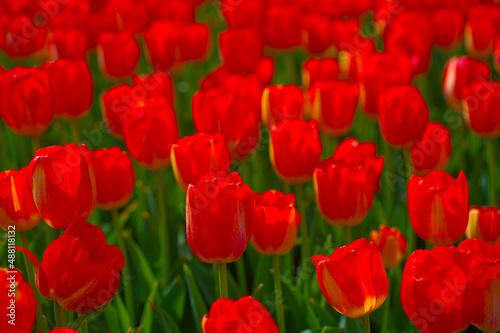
column 114, row 177
column 316, row 34
column 17, row 207
column 391, row 243
column 17, row 302
column 333, row 105
column 231, row 114
column 241, row 49
column 125, row 15
column 116, row 104
column 155, row 85
column 295, row 150
column 20, row 35
column 353, row 278
column 319, row 70
column 111, row 49
column 72, row 87
column 282, row 26
column 481, row 104
column 484, row 223
column 244, row 14
column 63, row 184
column 484, row 282
column 434, row 291
column 352, row 57
column 175, row 10
column 199, row 155
column 403, row 115
column 282, row 103
column 219, row 216
column 481, row 29
column 150, row 131
column 346, row 183
column 496, row 54
column 433, row 150
column 448, row 26
column 438, row 207
column 243, row 315
column 459, row 73
column 26, row 100
column 68, row 44
column 62, row 330
column 79, row 271
column 275, row 224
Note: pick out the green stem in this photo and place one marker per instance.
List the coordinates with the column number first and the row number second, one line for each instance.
column 79, row 322
column 462, row 142
column 347, row 235
column 35, row 143
column 85, row 326
column 387, row 304
column 366, row 323
column 278, row 294
column 410, row 234
column 164, row 236
column 306, row 254
column 42, row 324
column 286, row 187
column 222, row 268
column 242, row 275
column 386, row 191
column 492, row 172
column 75, row 130
column 62, row 131
column 59, row 315
column 129, row 293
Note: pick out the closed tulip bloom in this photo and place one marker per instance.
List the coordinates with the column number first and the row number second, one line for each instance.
column 438, row 207
column 346, row 183
column 316, row 34
column 319, row 70
column 150, row 131
column 353, row 279
column 275, row 223
column 295, row 150
column 13, row 34
column 433, row 150
column 114, row 177
column 352, row 58
column 281, row 103
column 247, row 14
column 199, row 155
column 243, row 315
column 458, row 74
column 434, row 290
column 241, row 49
column 155, row 85
column 17, row 207
column 484, row 223
column 282, row 28
column 484, row 282
column 79, row 270
column 219, row 217
column 481, row 29
column 392, row 245
column 72, row 87
column 448, row 26
column 127, row 15
column 333, row 105
column 68, row 44
column 481, row 104
column 26, row 100
column 14, row 288
column 403, row 115
column 110, row 50
column 63, row 184
column 116, row 104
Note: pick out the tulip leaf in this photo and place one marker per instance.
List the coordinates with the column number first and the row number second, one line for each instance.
column 122, row 312
column 166, row 321
column 147, row 313
column 112, row 319
column 326, row 329
column 299, row 307
column 197, row 304
column 174, row 298
column 141, row 260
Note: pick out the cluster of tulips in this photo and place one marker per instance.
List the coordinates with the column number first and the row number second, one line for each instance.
column 262, row 149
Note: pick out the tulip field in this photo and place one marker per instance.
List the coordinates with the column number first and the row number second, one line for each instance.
column 249, row 166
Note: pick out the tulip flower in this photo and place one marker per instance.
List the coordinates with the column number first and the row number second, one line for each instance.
column 114, row 177
column 353, row 279
column 149, row 131
column 72, row 87
column 68, row 44
column 448, row 26
column 63, row 184
column 352, row 57
column 26, row 100
column 110, row 51
column 434, row 291
column 433, row 150
column 403, row 115
column 246, row 14
column 116, row 104
column 346, row 183
column 316, row 34
column 333, row 105
column 155, row 85
column 480, row 104
column 496, row 54
column 484, row 223
column 392, row 245
column 484, row 282
column 438, row 206
column 219, row 216
column 174, row 10
column 319, row 70
column 125, row 15
column 481, row 29
column 79, row 271
column 241, row 49
column 17, row 302
column 282, row 26
column 295, row 150
column 243, row 315
column 199, row 155
column 14, row 30
column 230, row 113
column 276, row 221
column 459, row 73
column 281, row 103
column 17, row 207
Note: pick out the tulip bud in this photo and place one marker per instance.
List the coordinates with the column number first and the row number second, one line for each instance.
column 319, row 70
column 316, row 34
column 281, row 103
column 282, row 26
column 391, row 243
column 241, row 49
column 110, row 51
column 68, row 44
column 481, row 29
column 481, row 104
column 433, row 150
column 484, row 223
